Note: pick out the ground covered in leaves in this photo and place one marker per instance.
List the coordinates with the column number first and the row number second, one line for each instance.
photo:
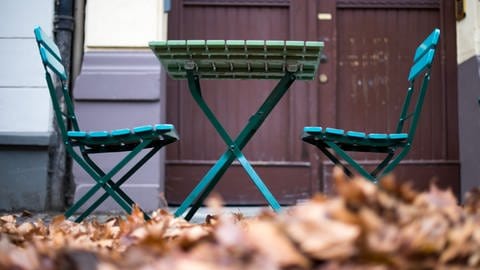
column 389, row 226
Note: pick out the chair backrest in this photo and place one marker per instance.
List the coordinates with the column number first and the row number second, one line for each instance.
column 56, row 77
column 422, row 63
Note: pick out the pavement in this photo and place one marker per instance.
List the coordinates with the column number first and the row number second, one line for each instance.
column 198, row 218
column 246, row 211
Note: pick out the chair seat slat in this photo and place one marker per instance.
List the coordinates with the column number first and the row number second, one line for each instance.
column 351, row 139
column 118, row 138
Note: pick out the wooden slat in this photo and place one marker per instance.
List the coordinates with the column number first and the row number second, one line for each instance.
column 52, row 63
column 119, row 138
column 239, row 59
column 353, row 139
column 46, row 42
column 430, row 42
column 422, row 64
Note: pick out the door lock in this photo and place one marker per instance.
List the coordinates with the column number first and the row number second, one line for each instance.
column 323, row 78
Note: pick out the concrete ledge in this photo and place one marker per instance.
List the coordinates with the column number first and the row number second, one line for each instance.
column 24, row 174
column 25, row 138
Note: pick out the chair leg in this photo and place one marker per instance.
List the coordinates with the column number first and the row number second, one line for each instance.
column 103, row 181
column 89, row 194
column 70, row 211
column 397, row 160
column 116, row 186
column 382, row 165
column 99, row 201
column 100, row 172
column 352, row 162
column 335, row 160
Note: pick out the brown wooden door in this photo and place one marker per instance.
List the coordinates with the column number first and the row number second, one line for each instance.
column 276, row 151
column 371, row 47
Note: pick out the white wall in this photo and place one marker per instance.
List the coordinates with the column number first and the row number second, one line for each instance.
column 468, row 32
column 130, row 24
column 24, row 100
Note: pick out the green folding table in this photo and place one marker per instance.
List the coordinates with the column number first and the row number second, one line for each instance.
column 285, row 61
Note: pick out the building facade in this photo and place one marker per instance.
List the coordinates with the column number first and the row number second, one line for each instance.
column 117, row 82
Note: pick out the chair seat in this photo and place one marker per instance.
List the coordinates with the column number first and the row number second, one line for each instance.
column 354, row 140
column 124, row 139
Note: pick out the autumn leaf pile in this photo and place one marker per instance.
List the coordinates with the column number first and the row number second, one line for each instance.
column 389, row 226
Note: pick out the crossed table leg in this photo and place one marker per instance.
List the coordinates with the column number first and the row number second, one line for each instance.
column 205, row 186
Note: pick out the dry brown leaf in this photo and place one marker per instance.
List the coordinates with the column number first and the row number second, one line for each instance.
column 386, row 240
column 459, row 241
column 426, row 235
column 7, row 219
column 364, row 227
column 215, row 203
column 271, row 241
column 311, row 227
column 436, row 199
column 472, row 201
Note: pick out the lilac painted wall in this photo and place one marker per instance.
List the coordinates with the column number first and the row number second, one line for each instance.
column 469, row 122
column 122, row 89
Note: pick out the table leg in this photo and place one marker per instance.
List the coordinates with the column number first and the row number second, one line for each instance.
column 205, row 186
column 213, row 176
column 258, row 182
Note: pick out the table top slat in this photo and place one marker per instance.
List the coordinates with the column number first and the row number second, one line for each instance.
column 239, row 59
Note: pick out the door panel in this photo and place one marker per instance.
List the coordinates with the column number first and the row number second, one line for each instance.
column 376, row 41
column 373, row 66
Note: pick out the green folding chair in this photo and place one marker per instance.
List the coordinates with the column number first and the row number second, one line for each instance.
column 81, row 144
column 335, row 143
